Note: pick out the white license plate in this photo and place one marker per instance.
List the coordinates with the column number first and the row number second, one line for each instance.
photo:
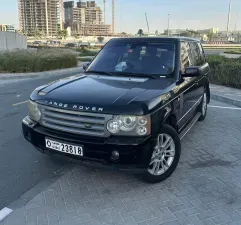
column 63, row 147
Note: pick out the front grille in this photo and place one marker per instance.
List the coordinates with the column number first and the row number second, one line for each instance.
column 84, row 123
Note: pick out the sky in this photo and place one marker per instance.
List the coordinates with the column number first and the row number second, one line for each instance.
column 130, row 14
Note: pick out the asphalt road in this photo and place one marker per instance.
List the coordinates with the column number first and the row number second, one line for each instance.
column 21, row 166
column 213, row 51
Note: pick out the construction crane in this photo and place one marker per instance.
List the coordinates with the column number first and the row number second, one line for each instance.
column 147, row 24
column 104, row 1
column 229, row 15
column 113, row 14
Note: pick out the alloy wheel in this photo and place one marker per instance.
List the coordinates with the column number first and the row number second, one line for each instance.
column 163, row 155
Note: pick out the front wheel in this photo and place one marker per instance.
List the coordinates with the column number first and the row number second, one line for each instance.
column 165, row 155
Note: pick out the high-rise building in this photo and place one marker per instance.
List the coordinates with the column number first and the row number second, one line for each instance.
column 85, row 19
column 91, row 4
column 7, row 27
column 81, row 4
column 42, row 16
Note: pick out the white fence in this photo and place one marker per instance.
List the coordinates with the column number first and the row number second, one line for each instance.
column 12, row 41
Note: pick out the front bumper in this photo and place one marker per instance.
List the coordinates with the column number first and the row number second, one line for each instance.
column 133, row 152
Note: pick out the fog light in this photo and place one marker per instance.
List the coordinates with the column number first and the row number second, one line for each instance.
column 115, row 155
column 29, row 137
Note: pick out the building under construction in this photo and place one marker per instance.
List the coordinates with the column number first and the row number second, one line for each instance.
column 44, row 17
column 85, row 19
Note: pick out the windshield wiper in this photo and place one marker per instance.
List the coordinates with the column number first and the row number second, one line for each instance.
column 100, row 72
column 138, row 75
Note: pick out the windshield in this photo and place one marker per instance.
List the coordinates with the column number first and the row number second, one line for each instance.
column 136, row 58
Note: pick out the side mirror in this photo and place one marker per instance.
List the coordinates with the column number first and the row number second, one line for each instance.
column 192, row 71
column 85, row 66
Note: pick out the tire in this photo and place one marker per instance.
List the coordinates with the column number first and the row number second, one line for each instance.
column 170, row 158
column 202, row 108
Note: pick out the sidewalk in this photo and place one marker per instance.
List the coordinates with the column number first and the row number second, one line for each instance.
column 226, row 94
column 67, row 71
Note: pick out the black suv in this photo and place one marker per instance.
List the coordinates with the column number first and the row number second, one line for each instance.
column 130, row 107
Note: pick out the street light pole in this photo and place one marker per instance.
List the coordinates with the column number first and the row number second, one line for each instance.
column 229, row 15
column 168, row 23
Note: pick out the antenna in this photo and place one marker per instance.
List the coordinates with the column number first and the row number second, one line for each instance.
column 147, row 24
column 113, row 16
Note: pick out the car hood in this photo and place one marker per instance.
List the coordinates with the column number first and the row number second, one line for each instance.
column 107, row 94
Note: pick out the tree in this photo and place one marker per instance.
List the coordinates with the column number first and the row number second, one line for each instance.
column 156, row 33
column 100, row 39
column 37, row 34
column 140, row 32
column 63, row 33
column 210, row 36
column 76, row 36
column 123, row 33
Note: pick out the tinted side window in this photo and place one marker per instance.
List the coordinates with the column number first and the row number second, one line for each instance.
column 185, row 56
column 196, row 54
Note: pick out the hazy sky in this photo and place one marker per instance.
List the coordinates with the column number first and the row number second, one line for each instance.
column 130, row 14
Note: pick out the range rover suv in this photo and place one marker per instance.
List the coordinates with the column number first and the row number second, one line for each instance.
column 130, row 107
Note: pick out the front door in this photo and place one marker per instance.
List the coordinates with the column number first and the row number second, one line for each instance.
column 193, row 89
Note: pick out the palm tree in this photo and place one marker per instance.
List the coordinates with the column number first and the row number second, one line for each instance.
column 140, row 32
column 210, row 36
column 63, row 34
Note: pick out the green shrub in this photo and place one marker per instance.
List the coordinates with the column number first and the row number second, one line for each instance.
column 23, row 61
column 225, row 71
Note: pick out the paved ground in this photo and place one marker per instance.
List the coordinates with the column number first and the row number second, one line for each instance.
column 20, row 167
column 205, row 189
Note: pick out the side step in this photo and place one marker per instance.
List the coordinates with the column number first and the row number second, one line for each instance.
column 190, row 125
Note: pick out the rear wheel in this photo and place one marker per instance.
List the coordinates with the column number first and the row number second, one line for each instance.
column 165, row 155
column 202, row 108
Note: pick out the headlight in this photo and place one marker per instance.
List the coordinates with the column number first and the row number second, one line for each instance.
column 130, row 125
column 34, row 111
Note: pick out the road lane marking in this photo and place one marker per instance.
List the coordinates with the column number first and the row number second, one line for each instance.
column 4, row 212
column 19, row 103
column 223, row 107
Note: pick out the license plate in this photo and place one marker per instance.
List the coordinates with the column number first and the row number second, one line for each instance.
column 63, row 147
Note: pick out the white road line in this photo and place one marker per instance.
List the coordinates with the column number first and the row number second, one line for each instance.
column 233, row 94
column 223, row 107
column 4, row 212
column 19, row 103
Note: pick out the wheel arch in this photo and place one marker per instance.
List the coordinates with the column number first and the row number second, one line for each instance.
column 172, row 121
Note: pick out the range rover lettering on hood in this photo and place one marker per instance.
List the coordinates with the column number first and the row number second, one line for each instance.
column 74, row 106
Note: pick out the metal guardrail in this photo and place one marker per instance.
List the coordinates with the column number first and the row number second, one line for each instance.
column 222, row 46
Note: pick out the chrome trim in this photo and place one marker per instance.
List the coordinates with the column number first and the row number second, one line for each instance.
column 194, row 120
column 197, row 102
column 175, row 98
column 27, row 121
column 82, row 123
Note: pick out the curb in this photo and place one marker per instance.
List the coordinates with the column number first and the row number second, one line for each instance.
column 226, row 100
column 68, row 71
